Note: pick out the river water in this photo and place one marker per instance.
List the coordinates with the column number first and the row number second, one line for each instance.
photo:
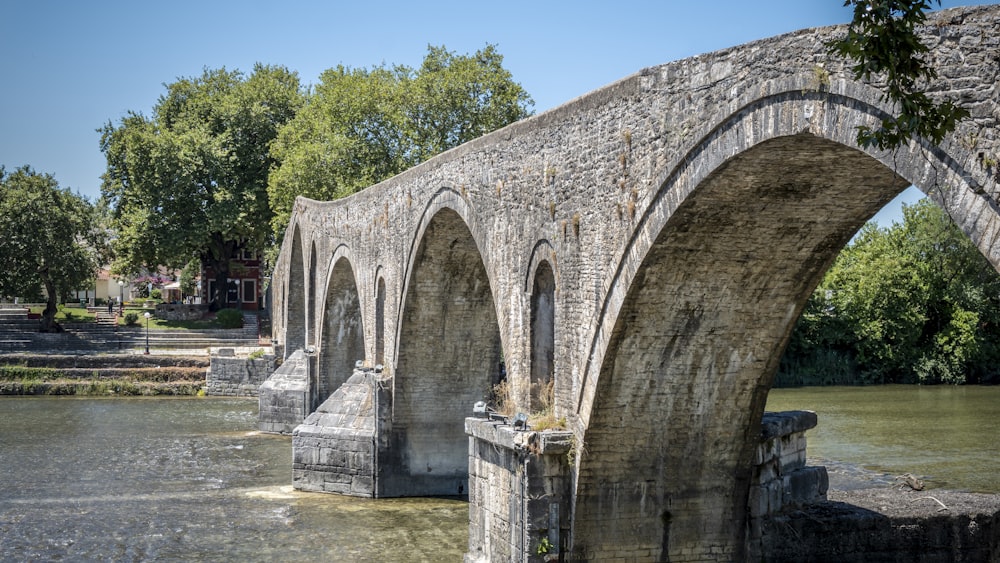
column 186, row 479
column 946, row 435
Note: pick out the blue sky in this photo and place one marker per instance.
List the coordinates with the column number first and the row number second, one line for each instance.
column 68, row 67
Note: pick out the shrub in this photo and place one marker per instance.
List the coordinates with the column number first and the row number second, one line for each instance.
column 230, row 318
column 131, row 319
column 156, row 294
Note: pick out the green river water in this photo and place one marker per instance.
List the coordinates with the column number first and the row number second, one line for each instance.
column 185, row 479
column 946, row 435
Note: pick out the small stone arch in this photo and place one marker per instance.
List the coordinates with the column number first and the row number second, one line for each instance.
column 541, row 288
column 295, row 296
column 379, row 296
column 342, row 338
column 311, row 296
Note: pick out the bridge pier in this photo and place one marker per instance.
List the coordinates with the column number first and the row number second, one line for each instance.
column 335, row 450
column 284, row 399
column 521, row 488
column 520, row 492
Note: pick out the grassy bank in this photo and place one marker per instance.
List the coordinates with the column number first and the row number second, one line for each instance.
column 124, row 381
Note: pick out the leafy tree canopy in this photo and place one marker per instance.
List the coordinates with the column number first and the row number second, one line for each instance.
column 49, row 237
column 882, row 42
column 361, row 126
column 191, row 181
column 913, row 303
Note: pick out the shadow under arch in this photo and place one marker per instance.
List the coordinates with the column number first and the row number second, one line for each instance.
column 311, row 296
column 342, row 337
column 447, row 358
column 295, row 297
column 702, row 305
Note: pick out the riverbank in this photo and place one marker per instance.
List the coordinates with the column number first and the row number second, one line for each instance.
column 101, row 375
column 888, row 524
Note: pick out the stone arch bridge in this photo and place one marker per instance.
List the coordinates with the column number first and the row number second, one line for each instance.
column 635, row 259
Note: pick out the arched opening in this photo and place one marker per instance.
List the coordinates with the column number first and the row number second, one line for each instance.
column 343, row 332
column 380, row 323
column 543, row 319
column 311, row 299
column 295, row 299
column 448, row 358
column 697, row 341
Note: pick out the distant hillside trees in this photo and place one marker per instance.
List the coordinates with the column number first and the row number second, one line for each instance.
column 49, row 238
column 912, row 303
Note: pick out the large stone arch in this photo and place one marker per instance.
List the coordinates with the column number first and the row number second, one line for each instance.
column 447, row 356
column 342, row 337
column 701, row 307
column 295, row 297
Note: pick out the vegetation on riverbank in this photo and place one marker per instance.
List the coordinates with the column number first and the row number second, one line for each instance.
column 63, row 378
column 211, row 321
column 913, row 303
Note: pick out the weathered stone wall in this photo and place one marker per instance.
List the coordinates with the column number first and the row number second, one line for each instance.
column 520, row 492
column 237, row 377
column 284, row 399
column 180, row 312
column 896, row 526
column 687, row 212
column 520, row 487
column 781, row 480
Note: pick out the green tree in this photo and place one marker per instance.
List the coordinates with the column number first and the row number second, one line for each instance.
column 49, row 237
column 191, row 181
column 882, row 42
column 362, row 126
column 913, row 303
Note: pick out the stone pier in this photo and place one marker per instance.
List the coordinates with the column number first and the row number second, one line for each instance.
column 284, row 398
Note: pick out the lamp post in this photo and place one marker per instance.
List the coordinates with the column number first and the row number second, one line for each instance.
column 121, row 298
column 147, row 315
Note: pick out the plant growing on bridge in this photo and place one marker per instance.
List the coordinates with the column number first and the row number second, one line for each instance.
column 882, row 42
column 49, row 237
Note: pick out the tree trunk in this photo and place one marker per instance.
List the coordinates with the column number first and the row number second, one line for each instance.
column 48, row 323
column 218, row 259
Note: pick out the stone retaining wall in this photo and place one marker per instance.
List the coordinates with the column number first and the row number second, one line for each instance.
column 231, row 376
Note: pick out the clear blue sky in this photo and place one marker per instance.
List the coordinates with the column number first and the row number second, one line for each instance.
column 68, row 66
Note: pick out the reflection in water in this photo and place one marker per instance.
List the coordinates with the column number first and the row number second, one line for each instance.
column 187, row 479
column 945, row 434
